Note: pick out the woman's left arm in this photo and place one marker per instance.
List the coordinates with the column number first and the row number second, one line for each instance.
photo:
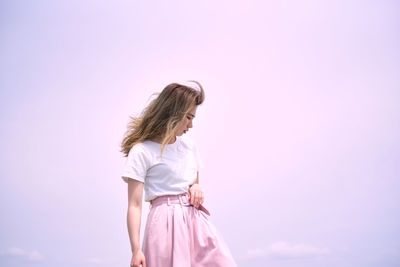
column 196, row 195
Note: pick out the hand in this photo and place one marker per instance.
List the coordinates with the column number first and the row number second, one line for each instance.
column 196, row 195
column 138, row 259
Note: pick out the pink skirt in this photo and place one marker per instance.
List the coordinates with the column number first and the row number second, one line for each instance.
column 179, row 235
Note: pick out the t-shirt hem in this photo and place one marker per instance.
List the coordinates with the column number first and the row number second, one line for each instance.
column 126, row 179
column 165, row 194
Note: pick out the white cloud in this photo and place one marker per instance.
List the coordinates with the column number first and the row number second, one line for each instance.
column 93, row 260
column 13, row 251
column 285, row 250
column 23, row 254
column 34, row 256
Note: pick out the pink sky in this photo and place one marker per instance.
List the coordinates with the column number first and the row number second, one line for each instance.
column 299, row 131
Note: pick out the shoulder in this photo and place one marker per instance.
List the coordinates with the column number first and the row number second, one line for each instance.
column 139, row 149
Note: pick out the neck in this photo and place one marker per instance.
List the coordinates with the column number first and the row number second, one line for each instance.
column 159, row 140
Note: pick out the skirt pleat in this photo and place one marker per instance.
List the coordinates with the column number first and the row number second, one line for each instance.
column 179, row 235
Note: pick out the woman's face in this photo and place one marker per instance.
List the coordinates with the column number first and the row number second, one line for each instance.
column 186, row 123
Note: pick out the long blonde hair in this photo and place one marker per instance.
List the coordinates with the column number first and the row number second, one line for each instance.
column 162, row 116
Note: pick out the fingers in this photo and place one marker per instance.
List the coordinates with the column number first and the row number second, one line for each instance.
column 138, row 260
column 196, row 201
column 193, row 198
column 142, row 263
column 197, row 198
column 201, row 197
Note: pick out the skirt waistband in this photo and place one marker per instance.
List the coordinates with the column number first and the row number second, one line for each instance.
column 182, row 199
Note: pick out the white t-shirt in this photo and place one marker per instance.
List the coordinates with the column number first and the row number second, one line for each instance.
column 171, row 175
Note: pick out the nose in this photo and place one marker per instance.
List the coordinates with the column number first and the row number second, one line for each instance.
column 190, row 124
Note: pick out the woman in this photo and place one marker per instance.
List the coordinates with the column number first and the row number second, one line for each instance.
column 165, row 164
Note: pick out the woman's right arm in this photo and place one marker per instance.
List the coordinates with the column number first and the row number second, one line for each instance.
column 135, row 193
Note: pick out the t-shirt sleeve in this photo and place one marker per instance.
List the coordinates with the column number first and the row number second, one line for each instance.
column 199, row 160
column 136, row 164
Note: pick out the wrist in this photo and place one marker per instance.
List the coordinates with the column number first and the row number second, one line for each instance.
column 135, row 249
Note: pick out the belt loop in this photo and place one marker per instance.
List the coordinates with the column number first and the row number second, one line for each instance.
column 180, row 200
column 168, row 202
column 183, row 212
